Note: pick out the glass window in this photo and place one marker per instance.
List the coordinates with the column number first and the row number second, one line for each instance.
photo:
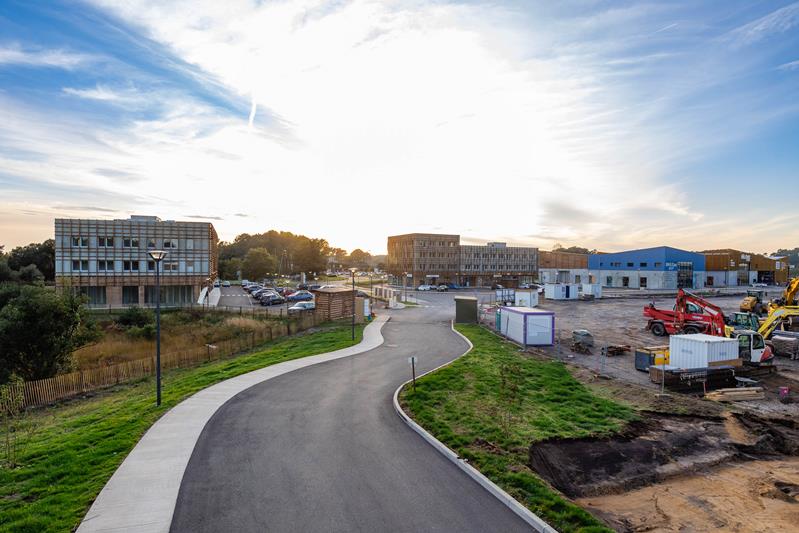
column 130, row 294
column 629, row 264
column 75, row 265
column 170, row 243
column 82, row 242
column 190, row 244
column 644, row 264
column 105, row 242
column 150, row 266
column 130, row 242
column 150, row 243
column 758, row 342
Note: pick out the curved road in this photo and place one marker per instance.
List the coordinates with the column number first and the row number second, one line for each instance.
column 321, row 449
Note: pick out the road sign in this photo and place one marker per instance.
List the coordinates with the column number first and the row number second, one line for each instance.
column 412, row 360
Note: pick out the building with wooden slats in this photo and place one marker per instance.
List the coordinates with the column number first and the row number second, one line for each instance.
column 334, row 303
column 734, row 268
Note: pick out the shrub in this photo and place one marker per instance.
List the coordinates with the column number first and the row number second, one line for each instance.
column 135, row 317
column 146, row 331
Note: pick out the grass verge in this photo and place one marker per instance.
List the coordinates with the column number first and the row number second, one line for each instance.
column 76, row 447
column 489, row 405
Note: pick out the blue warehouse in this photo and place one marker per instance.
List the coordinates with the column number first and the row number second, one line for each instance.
column 649, row 268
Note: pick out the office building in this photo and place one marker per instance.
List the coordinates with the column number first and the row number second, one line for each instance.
column 108, row 261
column 662, row 267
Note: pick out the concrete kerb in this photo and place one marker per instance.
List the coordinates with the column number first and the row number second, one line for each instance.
column 142, row 494
column 523, row 512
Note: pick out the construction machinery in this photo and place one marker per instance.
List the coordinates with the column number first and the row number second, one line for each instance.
column 694, row 314
column 788, row 298
column 755, row 302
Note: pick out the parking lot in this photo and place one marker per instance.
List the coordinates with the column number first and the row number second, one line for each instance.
column 234, row 296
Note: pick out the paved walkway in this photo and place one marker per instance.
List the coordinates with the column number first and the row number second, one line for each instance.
column 142, row 493
column 323, row 450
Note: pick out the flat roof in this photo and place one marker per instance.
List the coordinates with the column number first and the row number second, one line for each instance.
column 333, row 290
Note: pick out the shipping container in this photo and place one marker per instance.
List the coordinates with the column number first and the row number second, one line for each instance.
column 700, row 350
column 527, row 326
column 561, row 291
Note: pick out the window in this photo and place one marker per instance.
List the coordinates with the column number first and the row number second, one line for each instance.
column 625, row 281
column 105, row 265
column 609, row 281
column 577, row 278
column 170, row 243
column 151, row 266
column 80, row 265
column 190, row 244
column 150, row 243
column 170, row 266
column 130, row 295
column 129, row 266
column 642, row 283
column 130, row 242
column 643, row 265
column 105, row 242
column 629, row 264
column 658, row 264
column 82, row 242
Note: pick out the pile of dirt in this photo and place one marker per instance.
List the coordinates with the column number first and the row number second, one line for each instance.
column 657, row 448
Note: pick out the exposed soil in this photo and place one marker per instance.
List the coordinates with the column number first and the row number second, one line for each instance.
column 660, row 447
column 752, row 496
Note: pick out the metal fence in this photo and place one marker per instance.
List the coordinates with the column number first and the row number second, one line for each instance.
column 62, row 386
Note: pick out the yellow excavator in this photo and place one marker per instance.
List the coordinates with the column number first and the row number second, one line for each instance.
column 788, row 298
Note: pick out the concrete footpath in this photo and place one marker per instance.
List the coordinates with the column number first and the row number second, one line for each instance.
column 142, row 493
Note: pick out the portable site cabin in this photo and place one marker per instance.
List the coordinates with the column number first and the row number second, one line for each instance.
column 593, row 289
column 465, row 310
column 561, row 291
column 527, row 326
column 701, row 351
column 526, row 299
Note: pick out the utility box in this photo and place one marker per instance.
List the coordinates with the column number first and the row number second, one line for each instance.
column 561, row 291
column 465, row 310
column 701, row 351
column 593, row 289
column 526, row 299
column 527, row 326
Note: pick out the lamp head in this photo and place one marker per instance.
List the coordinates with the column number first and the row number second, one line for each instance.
column 157, row 255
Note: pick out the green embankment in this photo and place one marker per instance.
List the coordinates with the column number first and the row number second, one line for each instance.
column 76, row 447
column 489, row 405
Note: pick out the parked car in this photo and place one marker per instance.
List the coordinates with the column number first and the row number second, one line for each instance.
column 453, row 286
column 497, row 286
column 759, row 285
column 272, row 299
column 245, row 282
column 300, row 296
column 226, row 284
column 314, row 287
column 302, row 287
column 216, row 283
column 261, row 292
column 424, row 288
column 442, row 288
column 302, row 306
column 361, row 294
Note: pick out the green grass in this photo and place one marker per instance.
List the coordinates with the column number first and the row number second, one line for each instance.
column 77, row 446
column 491, row 404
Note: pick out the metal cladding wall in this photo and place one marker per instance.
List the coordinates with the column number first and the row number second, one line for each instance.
column 646, row 259
column 700, row 350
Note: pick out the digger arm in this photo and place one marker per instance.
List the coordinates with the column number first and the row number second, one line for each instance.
column 774, row 319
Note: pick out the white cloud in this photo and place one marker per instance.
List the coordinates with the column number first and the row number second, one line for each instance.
column 13, row 54
column 417, row 115
column 778, row 21
column 792, row 65
column 104, row 93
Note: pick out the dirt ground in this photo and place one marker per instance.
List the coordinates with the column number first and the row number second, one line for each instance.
column 755, row 496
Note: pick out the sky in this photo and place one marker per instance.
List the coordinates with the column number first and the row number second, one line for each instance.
column 608, row 125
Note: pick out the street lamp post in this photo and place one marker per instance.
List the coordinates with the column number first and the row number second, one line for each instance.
column 352, row 271
column 157, row 256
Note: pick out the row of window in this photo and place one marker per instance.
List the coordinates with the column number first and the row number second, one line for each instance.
column 630, row 264
column 529, row 268
column 103, row 265
column 129, row 242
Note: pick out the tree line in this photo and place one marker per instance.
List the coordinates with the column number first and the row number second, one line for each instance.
column 28, row 264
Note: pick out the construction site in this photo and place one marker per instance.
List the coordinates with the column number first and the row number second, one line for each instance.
column 715, row 380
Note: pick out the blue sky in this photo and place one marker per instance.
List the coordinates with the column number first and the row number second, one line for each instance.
column 604, row 124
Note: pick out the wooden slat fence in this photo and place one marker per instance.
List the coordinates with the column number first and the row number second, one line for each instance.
column 62, row 386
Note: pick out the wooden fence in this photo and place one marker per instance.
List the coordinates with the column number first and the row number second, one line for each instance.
column 46, row 391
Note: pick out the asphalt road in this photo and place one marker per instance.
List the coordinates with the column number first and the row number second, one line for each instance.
column 321, row 449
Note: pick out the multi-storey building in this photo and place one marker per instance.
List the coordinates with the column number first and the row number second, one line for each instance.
column 563, row 267
column 649, row 268
column 425, row 258
column 497, row 263
column 108, row 260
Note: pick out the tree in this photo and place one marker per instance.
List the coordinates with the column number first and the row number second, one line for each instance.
column 359, row 258
column 30, row 274
column 258, row 263
column 40, row 254
column 6, row 273
column 229, row 268
column 39, row 330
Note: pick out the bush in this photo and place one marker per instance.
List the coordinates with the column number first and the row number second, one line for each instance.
column 135, row 317
column 146, row 331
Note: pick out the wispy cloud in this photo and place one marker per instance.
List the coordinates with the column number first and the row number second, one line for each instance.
column 778, row 21
column 205, row 217
column 14, row 54
column 792, row 65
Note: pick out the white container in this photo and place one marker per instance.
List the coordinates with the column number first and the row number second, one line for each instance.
column 527, row 326
column 594, row 289
column 526, row 299
column 700, row 350
column 561, row 291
